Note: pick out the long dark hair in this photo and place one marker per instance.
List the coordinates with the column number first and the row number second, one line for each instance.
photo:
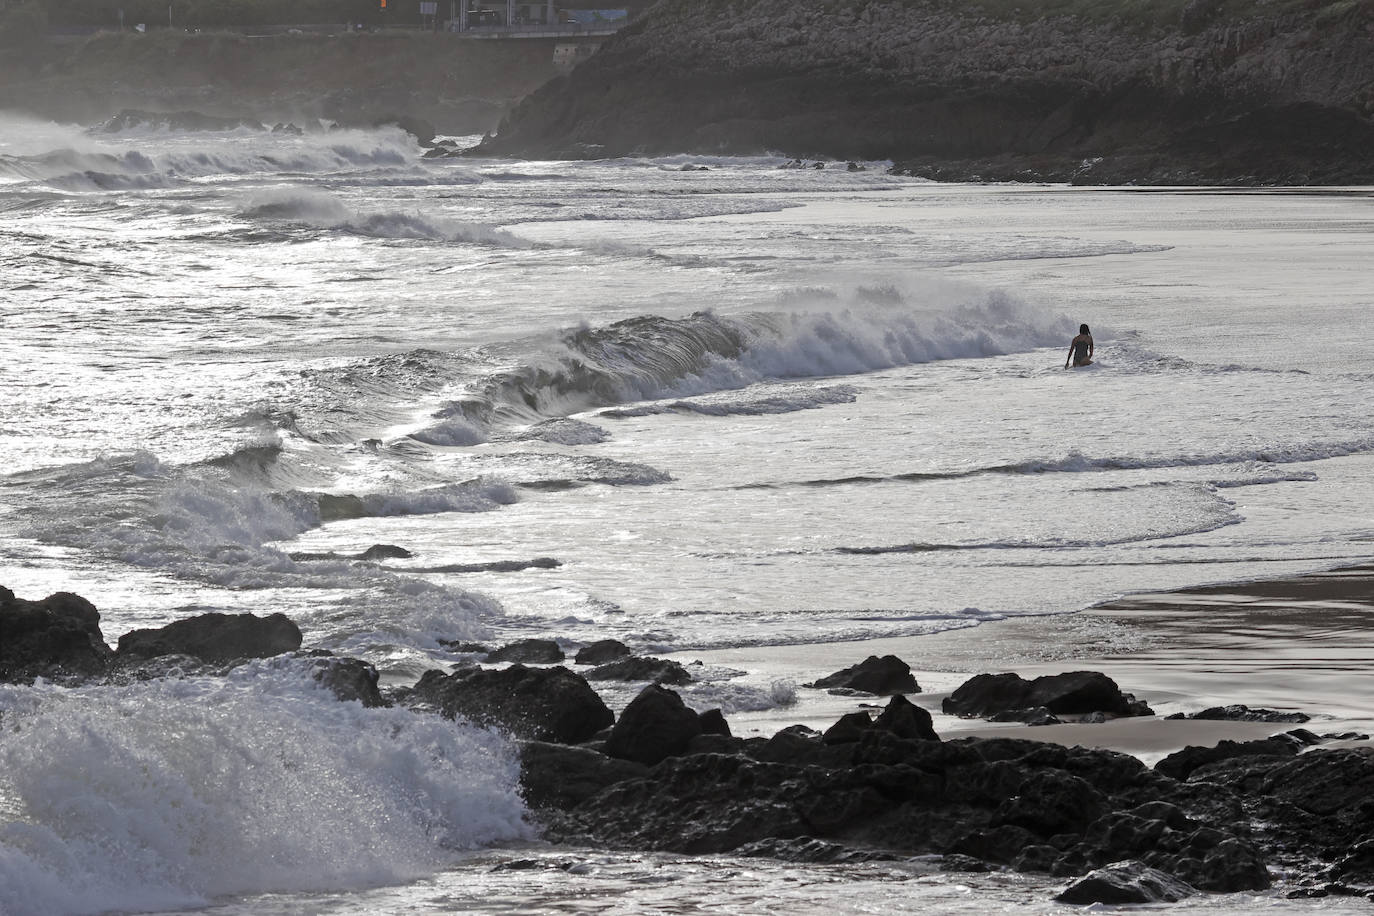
column 1083, row 329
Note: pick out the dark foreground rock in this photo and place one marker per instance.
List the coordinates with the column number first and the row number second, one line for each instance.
column 1181, row 764
column 58, row 636
column 880, row 676
column 1013, row 697
column 215, row 638
column 540, row 704
column 1126, row 883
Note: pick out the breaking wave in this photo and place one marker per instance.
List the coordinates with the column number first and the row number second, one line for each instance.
column 168, row 793
column 651, row 358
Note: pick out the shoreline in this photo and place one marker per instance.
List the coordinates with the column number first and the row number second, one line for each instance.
column 1179, row 651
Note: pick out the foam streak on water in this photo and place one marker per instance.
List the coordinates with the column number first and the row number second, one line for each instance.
column 689, row 403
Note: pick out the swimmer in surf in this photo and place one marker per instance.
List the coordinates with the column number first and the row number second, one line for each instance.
column 1080, row 348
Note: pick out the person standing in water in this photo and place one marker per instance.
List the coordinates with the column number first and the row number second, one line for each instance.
column 1080, row 348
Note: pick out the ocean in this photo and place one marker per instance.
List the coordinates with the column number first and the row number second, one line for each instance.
column 690, row 403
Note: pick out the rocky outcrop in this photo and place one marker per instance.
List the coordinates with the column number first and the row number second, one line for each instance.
column 215, row 638
column 56, row 637
column 1242, row 93
column 1131, row 834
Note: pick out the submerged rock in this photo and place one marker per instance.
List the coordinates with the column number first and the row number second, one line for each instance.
column 348, row 679
column 1243, row 713
column 215, row 638
column 528, row 651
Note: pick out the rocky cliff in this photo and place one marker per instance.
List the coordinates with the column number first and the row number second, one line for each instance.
column 1147, row 91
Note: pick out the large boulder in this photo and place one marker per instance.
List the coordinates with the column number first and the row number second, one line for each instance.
column 215, row 638
column 881, row 676
column 59, row 635
column 1126, row 883
column 538, row 704
column 1070, row 693
column 656, row 725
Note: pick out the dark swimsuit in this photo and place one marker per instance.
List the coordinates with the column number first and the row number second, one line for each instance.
column 1080, row 352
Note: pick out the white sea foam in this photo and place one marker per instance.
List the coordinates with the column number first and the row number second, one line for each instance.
column 321, row 210
column 77, row 161
column 166, row 794
column 730, row 697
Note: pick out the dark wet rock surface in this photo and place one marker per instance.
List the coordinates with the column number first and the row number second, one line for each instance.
column 53, row 637
column 881, row 676
column 1124, row 883
column 216, row 638
column 528, row 651
column 660, row 671
column 541, row 704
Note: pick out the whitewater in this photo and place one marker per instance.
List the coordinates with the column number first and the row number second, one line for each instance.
column 690, row 403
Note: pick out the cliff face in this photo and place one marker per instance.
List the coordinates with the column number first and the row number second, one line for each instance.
column 1244, row 91
column 459, row 85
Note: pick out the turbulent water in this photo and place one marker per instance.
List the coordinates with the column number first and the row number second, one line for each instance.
column 686, row 403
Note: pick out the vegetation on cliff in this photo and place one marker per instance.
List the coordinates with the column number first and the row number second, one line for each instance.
column 1235, row 91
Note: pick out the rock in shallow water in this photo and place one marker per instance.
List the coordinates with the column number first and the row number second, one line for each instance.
column 541, row 704
column 528, row 651
column 880, row 676
column 1126, row 883
column 601, row 652
column 58, row 635
column 658, row 670
column 216, row 638
column 1070, row 693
